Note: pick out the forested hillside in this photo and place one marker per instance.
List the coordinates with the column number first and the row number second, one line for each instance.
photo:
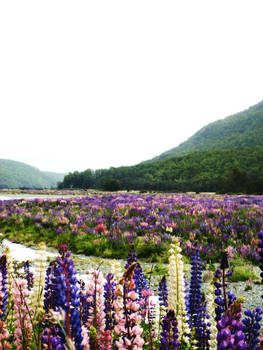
column 244, row 129
column 230, row 170
column 17, row 175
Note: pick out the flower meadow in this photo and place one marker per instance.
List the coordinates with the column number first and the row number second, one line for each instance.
column 52, row 309
column 107, row 224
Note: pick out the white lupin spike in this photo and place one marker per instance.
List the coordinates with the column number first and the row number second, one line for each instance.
column 39, row 282
column 176, row 290
column 211, row 312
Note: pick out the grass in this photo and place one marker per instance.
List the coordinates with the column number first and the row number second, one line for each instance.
column 243, row 273
column 92, row 245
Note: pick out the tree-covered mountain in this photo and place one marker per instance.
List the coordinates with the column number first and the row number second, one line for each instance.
column 244, row 129
column 230, row 170
column 55, row 177
column 20, row 175
column 225, row 156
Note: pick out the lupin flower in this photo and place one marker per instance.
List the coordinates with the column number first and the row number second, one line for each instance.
column 49, row 290
column 95, row 306
column 107, row 340
column 219, row 310
column 67, row 296
column 223, row 298
column 50, row 339
column 187, row 297
column 252, row 327
column 151, row 315
column 23, row 324
column 10, row 276
column 197, row 304
column 140, row 280
column 163, row 293
column 28, row 276
column 132, row 257
column 138, row 275
column 231, row 297
column 212, row 318
column 109, row 295
column 38, row 291
column 162, row 303
column 3, row 287
column 176, row 290
column 127, row 317
column 141, row 290
column 195, row 294
column 4, row 335
column 85, row 338
column 158, row 312
column 202, row 332
column 169, row 333
column 260, row 246
column 230, row 329
column 83, row 302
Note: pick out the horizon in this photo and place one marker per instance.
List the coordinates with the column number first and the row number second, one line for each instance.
column 100, row 85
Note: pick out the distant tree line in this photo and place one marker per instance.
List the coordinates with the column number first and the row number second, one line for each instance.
column 238, row 170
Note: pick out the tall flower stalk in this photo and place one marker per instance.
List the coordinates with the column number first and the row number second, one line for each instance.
column 39, row 283
column 127, row 316
column 195, row 292
column 231, row 329
column 260, row 246
column 23, row 313
column 252, row 327
column 67, row 297
column 176, row 290
column 163, row 303
column 28, row 276
column 212, row 318
column 95, row 305
column 10, row 277
column 197, row 304
column 223, row 298
column 109, row 295
column 169, row 334
column 3, row 287
column 138, row 275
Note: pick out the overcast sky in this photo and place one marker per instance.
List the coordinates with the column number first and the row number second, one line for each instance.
column 94, row 84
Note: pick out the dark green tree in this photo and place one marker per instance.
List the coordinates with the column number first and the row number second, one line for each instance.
column 235, row 181
column 111, row 184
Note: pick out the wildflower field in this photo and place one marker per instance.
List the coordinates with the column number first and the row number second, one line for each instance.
column 50, row 308
column 106, row 225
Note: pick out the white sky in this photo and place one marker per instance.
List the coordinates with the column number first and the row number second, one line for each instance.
column 94, row 84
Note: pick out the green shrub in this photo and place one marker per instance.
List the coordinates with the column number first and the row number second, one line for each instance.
column 242, row 274
column 155, row 251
